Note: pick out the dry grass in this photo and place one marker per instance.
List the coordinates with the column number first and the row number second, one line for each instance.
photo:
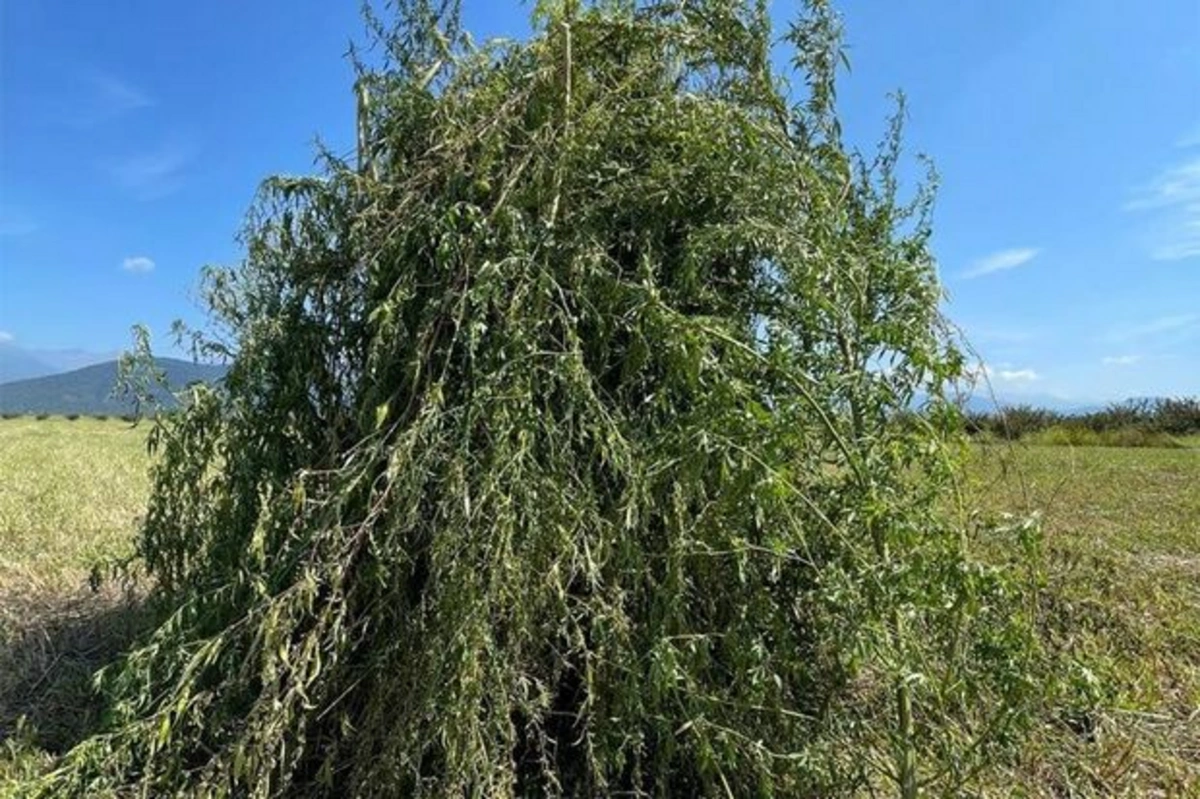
column 70, row 496
column 1121, row 609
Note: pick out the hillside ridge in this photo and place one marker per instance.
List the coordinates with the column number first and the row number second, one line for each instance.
column 89, row 390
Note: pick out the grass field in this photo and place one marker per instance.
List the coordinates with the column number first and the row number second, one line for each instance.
column 1120, row 610
column 71, row 493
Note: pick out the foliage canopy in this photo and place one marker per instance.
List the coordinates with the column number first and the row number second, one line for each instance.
column 561, row 450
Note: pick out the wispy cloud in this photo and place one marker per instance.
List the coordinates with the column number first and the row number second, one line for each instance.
column 1174, row 197
column 1120, row 360
column 118, row 95
column 138, row 263
column 6, row 337
column 105, row 97
column 1172, row 324
column 1001, row 261
column 154, row 174
column 1190, row 139
column 1173, row 186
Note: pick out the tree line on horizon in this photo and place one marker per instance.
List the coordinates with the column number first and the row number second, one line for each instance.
column 1166, row 416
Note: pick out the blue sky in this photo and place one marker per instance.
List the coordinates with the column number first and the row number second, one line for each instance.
column 1067, row 134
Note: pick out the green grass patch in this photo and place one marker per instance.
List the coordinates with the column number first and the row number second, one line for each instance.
column 1077, row 436
column 1120, row 611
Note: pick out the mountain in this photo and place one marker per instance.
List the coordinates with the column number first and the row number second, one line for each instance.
column 22, row 363
column 68, row 360
column 89, row 390
column 979, row 402
column 17, row 364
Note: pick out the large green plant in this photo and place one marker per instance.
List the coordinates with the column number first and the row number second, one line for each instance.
column 565, row 447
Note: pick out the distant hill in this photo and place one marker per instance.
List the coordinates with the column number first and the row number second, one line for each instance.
column 980, row 402
column 89, row 390
column 16, row 364
column 21, row 363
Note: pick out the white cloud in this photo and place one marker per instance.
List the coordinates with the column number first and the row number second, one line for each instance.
column 1001, row 261
column 1004, row 374
column 1120, row 360
column 153, row 174
column 138, row 263
column 1174, row 197
column 5, row 337
column 1017, row 375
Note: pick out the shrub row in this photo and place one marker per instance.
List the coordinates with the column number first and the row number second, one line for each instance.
column 1120, row 424
column 70, row 417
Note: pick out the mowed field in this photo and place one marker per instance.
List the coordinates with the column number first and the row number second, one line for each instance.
column 1120, row 608
column 71, row 494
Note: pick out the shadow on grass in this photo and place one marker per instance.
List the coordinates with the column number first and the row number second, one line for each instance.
column 50, row 647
